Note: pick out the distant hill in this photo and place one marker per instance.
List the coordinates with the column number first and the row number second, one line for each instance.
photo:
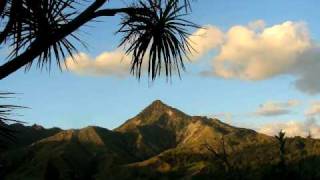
column 26, row 135
column 161, row 142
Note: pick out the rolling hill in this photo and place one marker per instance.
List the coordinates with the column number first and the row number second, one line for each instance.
column 161, row 142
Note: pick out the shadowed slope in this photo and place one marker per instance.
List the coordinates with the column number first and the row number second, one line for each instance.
column 155, row 129
column 26, row 135
column 74, row 153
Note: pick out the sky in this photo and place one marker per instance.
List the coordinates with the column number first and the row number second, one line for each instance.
column 256, row 66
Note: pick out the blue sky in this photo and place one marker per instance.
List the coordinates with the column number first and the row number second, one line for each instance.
column 75, row 100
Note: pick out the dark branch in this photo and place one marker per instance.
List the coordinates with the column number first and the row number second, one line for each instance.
column 160, row 31
column 39, row 45
column 113, row 12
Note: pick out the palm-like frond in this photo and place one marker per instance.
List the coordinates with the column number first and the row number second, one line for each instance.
column 41, row 30
column 30, row 21
column 159, row 33
column 6, row 134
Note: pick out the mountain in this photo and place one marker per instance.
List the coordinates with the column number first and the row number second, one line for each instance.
column 26, row 135
column 161, row 142
column 159, row 127
column 155, row 129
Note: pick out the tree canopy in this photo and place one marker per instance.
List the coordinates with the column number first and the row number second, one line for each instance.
column 43, row 31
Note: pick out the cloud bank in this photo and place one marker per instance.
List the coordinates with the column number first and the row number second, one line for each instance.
column 255, row 52
column 106, row 64
column 117, row 63
column 203, row 40
column 252, row 55
column 273, row 108
column 252, row 52
column 313, row 110
column 293, row 128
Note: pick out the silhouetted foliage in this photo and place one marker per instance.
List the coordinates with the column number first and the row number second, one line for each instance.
column 6, row 133
column 281, row 142
column 39, row 31
column 157, row 33
column 309, row 135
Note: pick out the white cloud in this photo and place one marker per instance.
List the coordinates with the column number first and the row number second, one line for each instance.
column 251, row 55
column 204, row 40
column 256, row 52
column 293, row 128
column 106, row 64
column 117, row 63
column 272, row 108
column 257, row 25
column 293, row 102
column 313, row 110
column 252, row 52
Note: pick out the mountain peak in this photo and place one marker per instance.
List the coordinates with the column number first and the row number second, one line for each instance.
column 158, row 107
column 158, row 103
column 37, row 127
column 157, row 112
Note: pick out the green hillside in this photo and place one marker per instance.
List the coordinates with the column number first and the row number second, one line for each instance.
column 161, row 142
